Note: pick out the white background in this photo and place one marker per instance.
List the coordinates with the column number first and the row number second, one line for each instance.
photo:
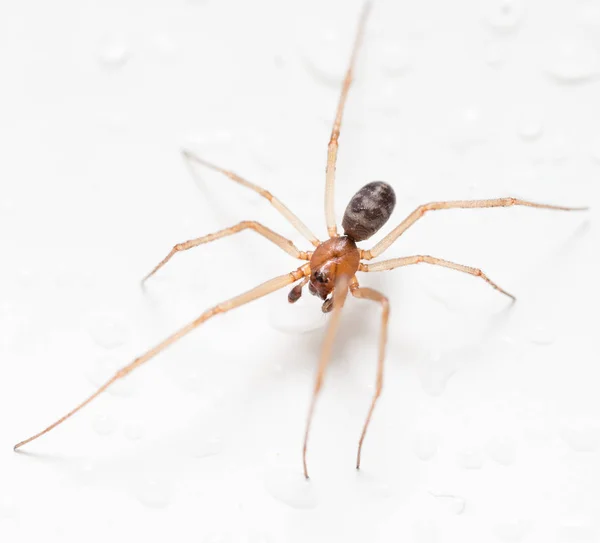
column 489, row 426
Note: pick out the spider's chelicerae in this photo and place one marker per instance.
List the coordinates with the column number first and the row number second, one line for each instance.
column 330, row 269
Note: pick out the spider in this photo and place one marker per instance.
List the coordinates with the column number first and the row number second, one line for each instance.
column 330, row 269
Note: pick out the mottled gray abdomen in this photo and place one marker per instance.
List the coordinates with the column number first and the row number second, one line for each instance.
column 368, row 210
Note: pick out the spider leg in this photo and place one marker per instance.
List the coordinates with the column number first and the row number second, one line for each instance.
column 370, row 294
column 276, row 203
column 386, row 265
column 470, row 204
column 332, row 148
column 253, row 294
column 339, row 297
column 267, row 233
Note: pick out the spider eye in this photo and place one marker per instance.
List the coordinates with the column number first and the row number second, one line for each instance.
column 321, row 277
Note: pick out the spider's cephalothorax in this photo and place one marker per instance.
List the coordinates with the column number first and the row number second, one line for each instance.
column 368, row 210
column 336, row 256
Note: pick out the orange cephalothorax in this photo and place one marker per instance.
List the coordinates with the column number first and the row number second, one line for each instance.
column 334, row 257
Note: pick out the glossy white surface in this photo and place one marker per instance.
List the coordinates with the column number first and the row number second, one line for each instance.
column 489, row 426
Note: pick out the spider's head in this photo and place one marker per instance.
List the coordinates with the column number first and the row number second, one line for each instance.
column 333, row 257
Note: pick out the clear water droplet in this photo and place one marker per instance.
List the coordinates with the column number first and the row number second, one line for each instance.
column 471, row 458
column 107, row 331
column 8, row 508
column 425, row 532
column 298, row 318
column 104, row 425
column 165, row 44
column 494, row 54
column 468, row 129
column 290, row 487
column 154, row 493
column 133, row 431
column 582, row 434
column 531, row 128
column 575, row 61
column 434, row 373
column 425, row 446
column 113, row 52
column 394, row 59
column 588, row 15
column 324, row 56
column 541, row 334
column 576, row 529
column 206, row 445
column 504, row 15
column 502, row 450
column 454, row 504
column 513, row 530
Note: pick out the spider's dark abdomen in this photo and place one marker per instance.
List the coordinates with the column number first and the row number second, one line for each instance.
column 368, row 210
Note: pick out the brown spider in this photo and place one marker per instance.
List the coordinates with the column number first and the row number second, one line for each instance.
column 330, row 271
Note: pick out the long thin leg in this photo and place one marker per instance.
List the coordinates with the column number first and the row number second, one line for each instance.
column 332, row 148
column 284, row 210
column 434, row 206
column 386, row 265
column 339, row 297
column 370, row 294
column 278, row 240
column 257, row 292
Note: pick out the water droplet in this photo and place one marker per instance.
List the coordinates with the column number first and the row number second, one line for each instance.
column 290, row 487
column 206, row 445
column 575, row 61
column 113, row 52
column 582, row 435
column 324, row 56
column 8, row 508
column 454, row 504
column 576, row 529
column 218, row 538
column 104, row 425
column 531, row 128
column 255, row 537
column 154, row 493
column 133, row 431
column 504, row 15
column 165, row 44
column 513, row 530
column 502, row 450
column 298, row 318
column 104, row 368
column 425, row 532
column 425, row 446
column 471, row 458
column 541, row 334
column 494, row 54
column 468, row 129
column 434, row 374
column 589, row 15
column 394, row 59
column 107, row 331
